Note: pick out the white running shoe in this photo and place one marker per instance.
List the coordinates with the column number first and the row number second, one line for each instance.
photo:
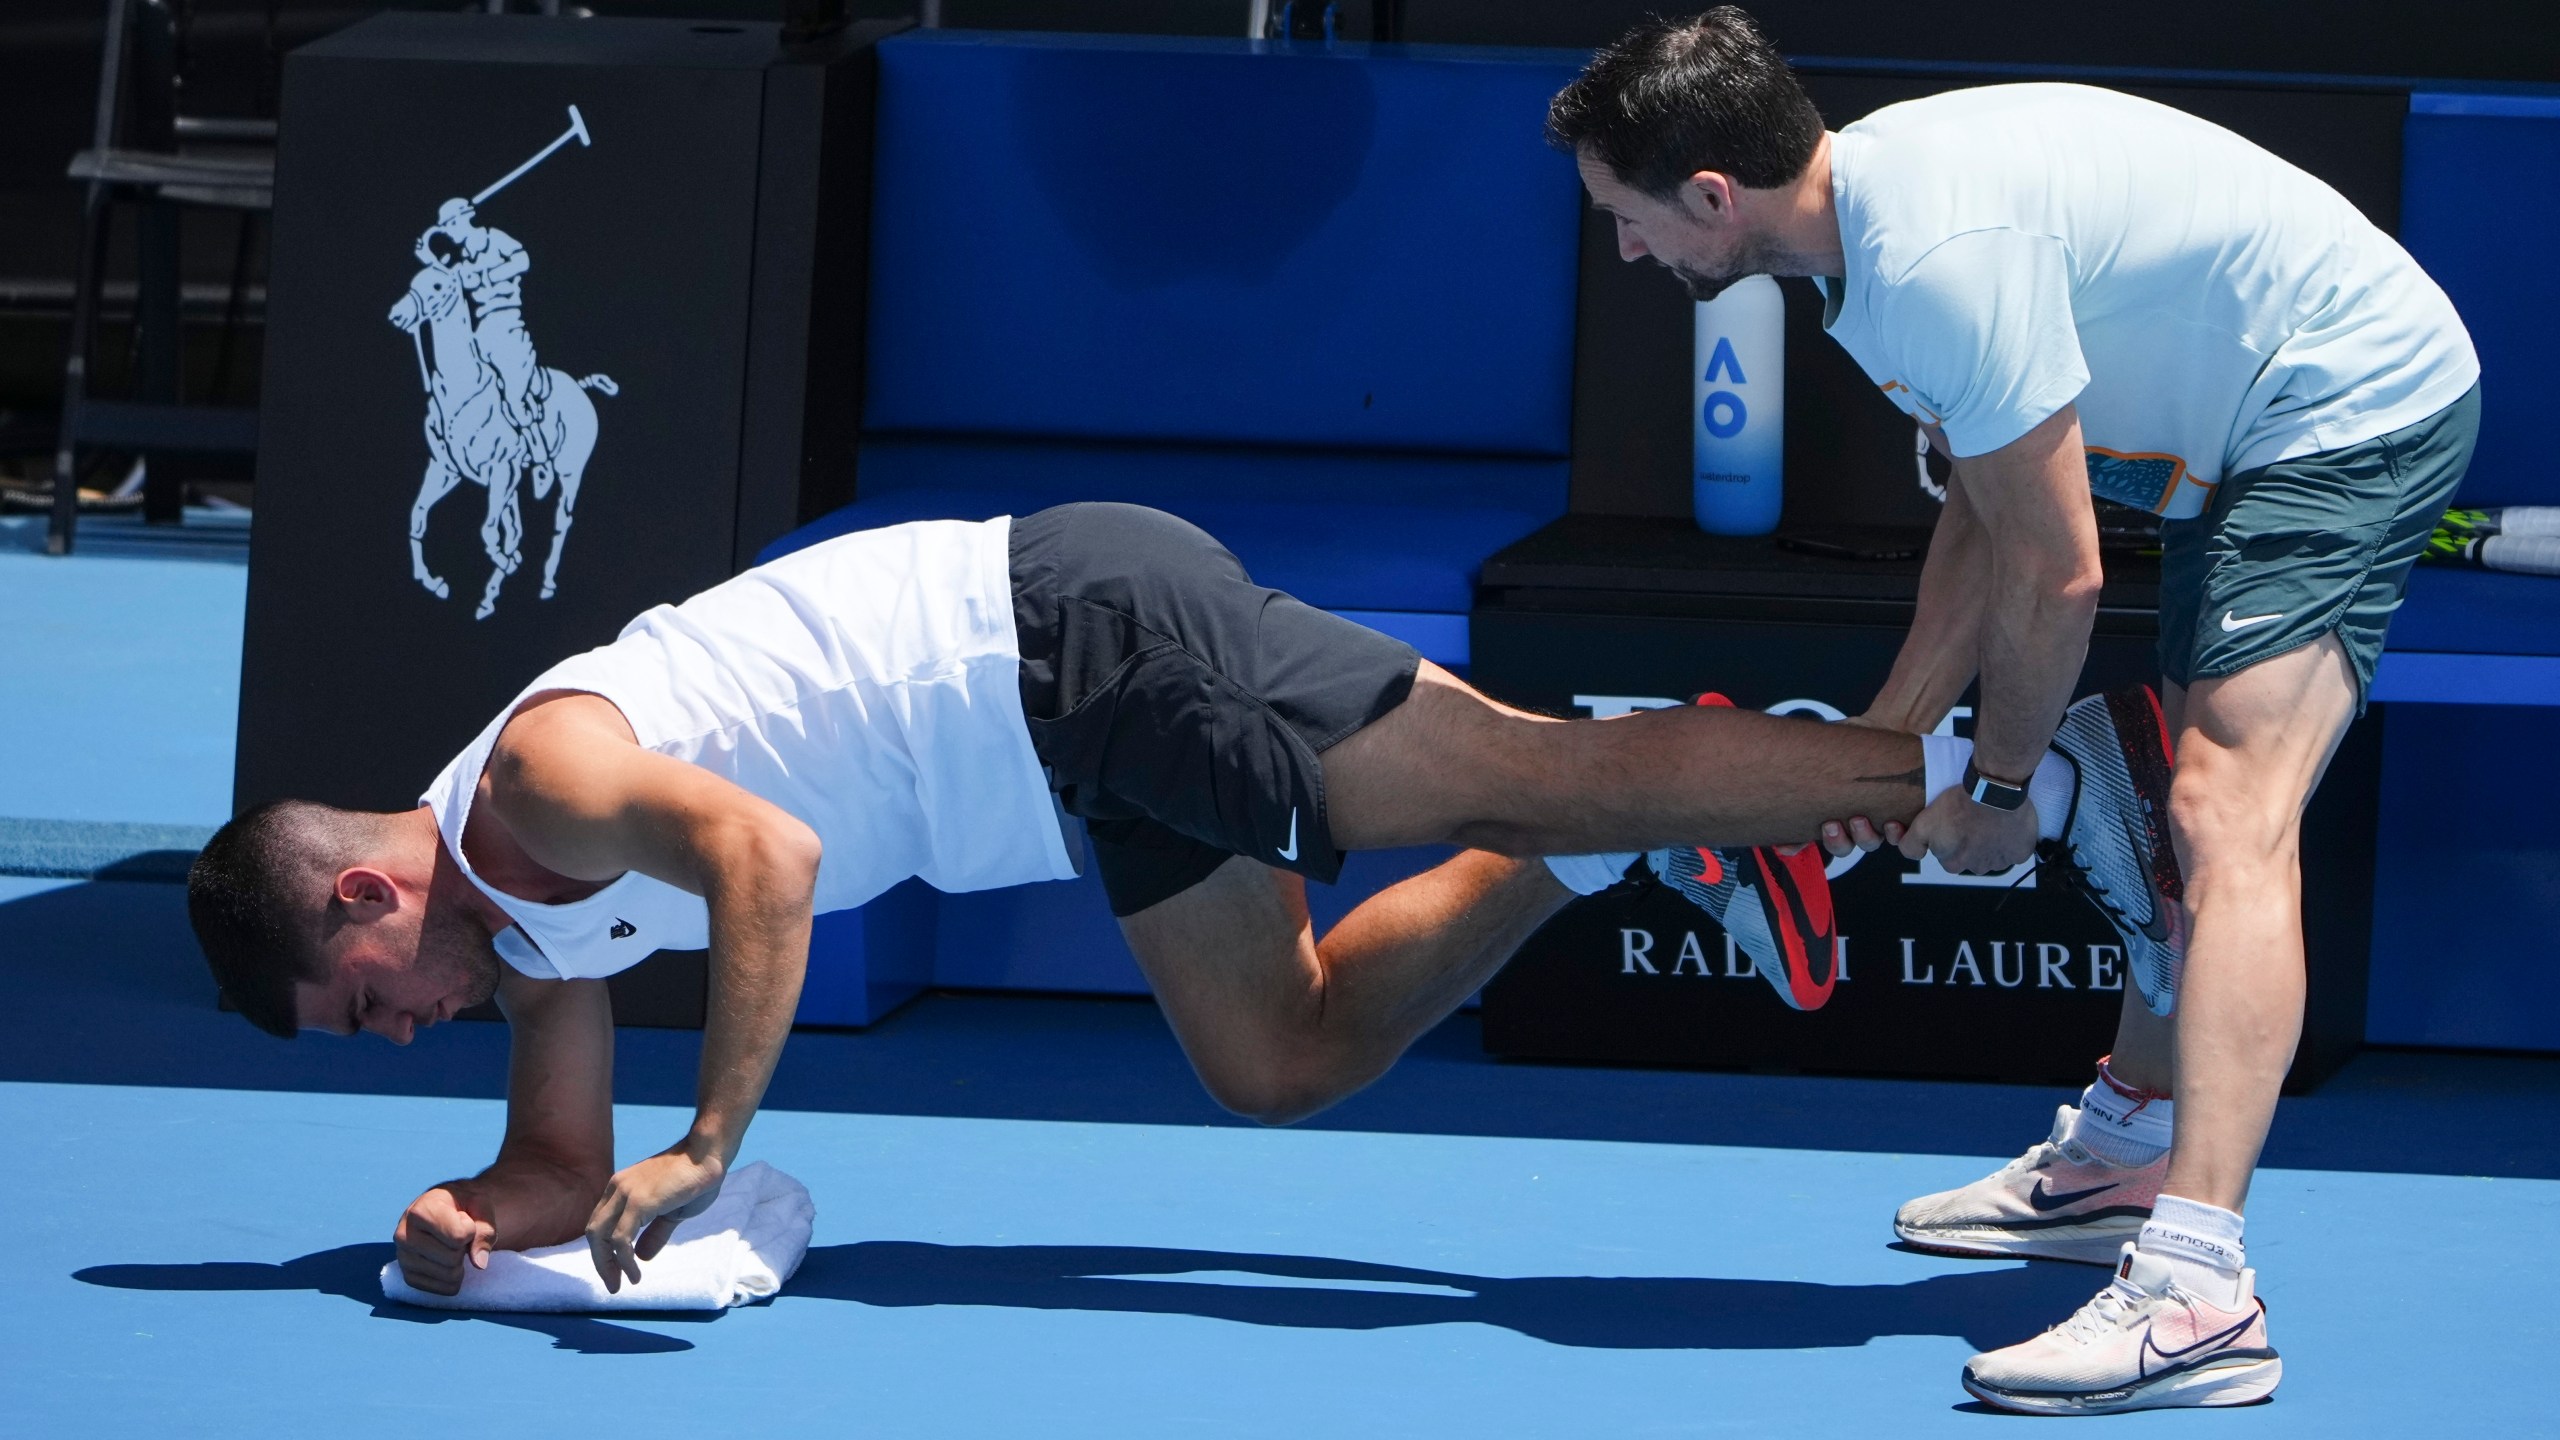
column 2143, row 1344
column 2056, row 1202
column 2115, row 848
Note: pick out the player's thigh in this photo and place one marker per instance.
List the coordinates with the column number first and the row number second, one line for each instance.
column 1232, row 961
column 1447, row 757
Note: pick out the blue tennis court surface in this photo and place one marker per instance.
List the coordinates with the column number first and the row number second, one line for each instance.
column 1032, row 1223
column 202, row 1262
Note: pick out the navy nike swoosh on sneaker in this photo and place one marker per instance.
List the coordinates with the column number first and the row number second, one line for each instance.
column 2044, row 1199
column 2151, row 1346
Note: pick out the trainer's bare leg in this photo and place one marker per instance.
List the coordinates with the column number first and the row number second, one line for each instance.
column 1280, row 1024
column 2251, row 749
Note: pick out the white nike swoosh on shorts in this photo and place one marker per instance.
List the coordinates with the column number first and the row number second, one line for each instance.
column 1290, row 850
column 2231, row 622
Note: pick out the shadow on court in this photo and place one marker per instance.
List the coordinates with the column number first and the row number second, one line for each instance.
column 1985, row 1307
column 353, row 1272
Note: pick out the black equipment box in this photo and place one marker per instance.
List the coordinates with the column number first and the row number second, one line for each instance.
column 2012, row 979
column 528, row 271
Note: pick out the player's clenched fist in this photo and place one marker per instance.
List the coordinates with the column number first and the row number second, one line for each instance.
column 441, row 1232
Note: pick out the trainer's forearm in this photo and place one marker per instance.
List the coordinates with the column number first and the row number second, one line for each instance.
column 2034, row 641
column 759, row 897
column 1939, row 655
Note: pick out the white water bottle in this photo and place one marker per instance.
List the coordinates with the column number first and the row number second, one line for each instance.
column 1738, row 414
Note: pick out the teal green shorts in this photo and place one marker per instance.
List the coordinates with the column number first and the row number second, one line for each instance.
column 2308, row 547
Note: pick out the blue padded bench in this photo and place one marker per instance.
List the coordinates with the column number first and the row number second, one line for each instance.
column 1319, row 302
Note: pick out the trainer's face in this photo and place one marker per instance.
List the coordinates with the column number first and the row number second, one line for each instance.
column 399, row 966
column 1696, row 235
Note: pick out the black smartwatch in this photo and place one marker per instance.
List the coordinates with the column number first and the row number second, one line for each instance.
column 1998, row 794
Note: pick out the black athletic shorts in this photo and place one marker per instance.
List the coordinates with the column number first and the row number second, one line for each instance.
column 1178, row 707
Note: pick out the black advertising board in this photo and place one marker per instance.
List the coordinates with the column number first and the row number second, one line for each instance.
column 556, row 333
column 2010, row 978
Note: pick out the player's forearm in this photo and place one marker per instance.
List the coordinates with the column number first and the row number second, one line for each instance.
column 759, row 897
column 1940, row 653
column 532, row 1199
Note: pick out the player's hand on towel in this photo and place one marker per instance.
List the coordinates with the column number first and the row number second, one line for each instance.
column 1971, row 839
column 441, row 1232
column 641, row 1206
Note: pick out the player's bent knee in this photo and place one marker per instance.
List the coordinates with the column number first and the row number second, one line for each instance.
column 1276, row 1092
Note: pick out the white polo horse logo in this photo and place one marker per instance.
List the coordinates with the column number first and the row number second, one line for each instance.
column 495, row 414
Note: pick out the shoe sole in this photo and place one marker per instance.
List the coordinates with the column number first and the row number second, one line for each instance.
column 2240, row 1380
column 2078, row 1244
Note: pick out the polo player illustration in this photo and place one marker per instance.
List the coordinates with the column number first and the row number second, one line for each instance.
column 495, row 413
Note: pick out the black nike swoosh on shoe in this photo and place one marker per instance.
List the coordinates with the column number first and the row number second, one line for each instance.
column 2151, row 1346
column 2044, row 1199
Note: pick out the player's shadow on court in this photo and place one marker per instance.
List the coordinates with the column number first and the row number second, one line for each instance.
column 353, row 1272
column 1987, row 1307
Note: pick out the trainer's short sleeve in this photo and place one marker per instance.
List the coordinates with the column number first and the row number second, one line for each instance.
column 1980, row 329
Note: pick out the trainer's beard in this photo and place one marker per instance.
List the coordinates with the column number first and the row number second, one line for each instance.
column 1754, row 259
column 1702, row 286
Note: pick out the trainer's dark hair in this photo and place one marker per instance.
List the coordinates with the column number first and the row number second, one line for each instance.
column 1673, row 97
column 250, row 897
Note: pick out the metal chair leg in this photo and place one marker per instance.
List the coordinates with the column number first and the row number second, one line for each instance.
column 75, row 372
column 162, row 347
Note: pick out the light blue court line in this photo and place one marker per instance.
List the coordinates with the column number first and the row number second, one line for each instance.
column 201, row 1262
column 122, row 680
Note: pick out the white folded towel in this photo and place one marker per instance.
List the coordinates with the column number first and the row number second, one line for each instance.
column 743, row 1248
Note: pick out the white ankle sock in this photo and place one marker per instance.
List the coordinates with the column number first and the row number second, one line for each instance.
column 2201, row 1244
column 1590, row 874
column 2129, row 1130
column 1942, row 762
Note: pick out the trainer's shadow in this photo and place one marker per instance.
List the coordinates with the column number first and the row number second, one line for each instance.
column 353, row 1272
column 1986, row 1307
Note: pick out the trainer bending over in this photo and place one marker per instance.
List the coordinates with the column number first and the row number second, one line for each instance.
column 2075, row 291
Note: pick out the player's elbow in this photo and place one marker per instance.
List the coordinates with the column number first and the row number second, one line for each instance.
column 783, row 851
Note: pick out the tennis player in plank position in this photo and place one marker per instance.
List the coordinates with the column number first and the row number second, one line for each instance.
column 2075, row 291
column 931, row 700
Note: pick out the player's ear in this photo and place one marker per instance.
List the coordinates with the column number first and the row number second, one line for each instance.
column 367, row 894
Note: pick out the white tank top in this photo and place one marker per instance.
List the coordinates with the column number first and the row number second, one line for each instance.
column 870, row 685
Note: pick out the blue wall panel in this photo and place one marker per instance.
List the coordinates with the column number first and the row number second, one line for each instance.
column 1122, row 237
column 2479, row 205
column 2466, row 906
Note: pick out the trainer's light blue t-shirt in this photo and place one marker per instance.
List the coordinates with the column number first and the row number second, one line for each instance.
column 2208, row 307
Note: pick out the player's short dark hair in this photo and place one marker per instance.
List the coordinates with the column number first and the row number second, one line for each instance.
column 1673, row 97
column 249, row 896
